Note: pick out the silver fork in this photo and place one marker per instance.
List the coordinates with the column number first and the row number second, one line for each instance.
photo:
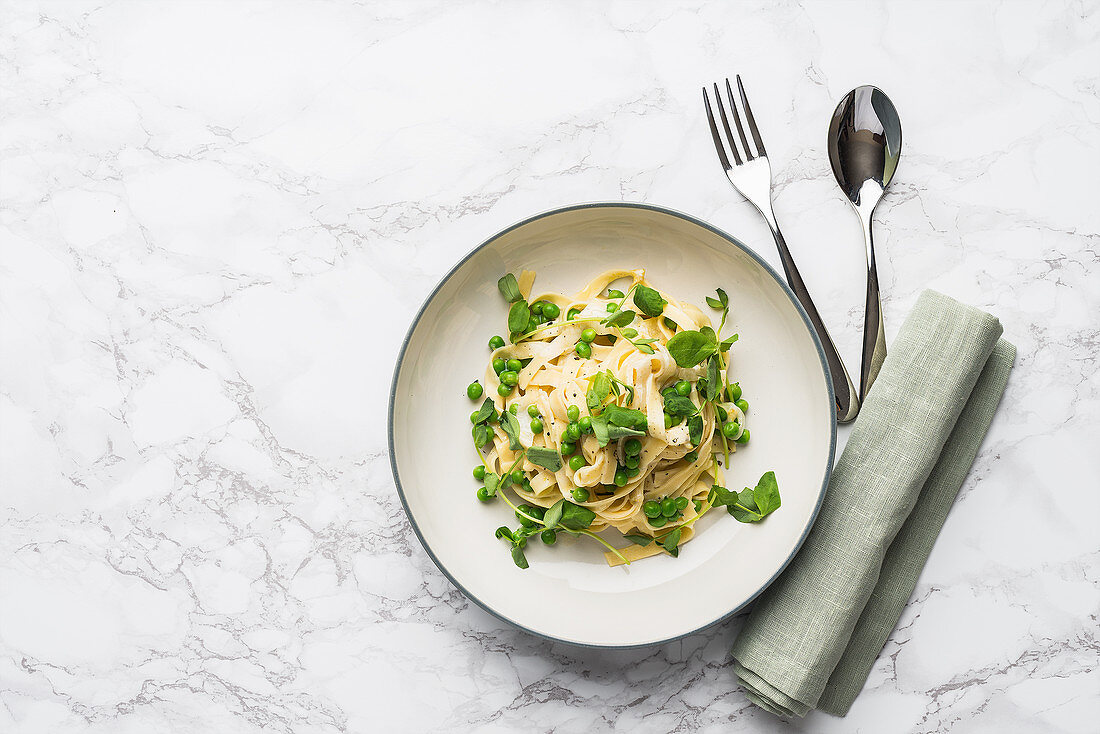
column 752, row 176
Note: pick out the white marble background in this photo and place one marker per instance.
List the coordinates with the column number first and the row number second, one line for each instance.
column 218, row 219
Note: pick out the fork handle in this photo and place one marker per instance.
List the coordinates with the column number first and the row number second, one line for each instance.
column 847, row 400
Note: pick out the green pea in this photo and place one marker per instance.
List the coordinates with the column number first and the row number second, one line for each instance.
column 652, row 509
column 613, row 293
column 681, row 503
column 523, row 519
column 723, row 415
column 668, row 507
column 669, row 423
column 551, row 311
column 518, row 476
column 536, row 425
column 611, row 308
column 580, row 494
column 549, row 536
column 508, row 377
column 573, row 413
column 496, row 342
column 473, row 417
column 586, row 424
column 583, row 350
column 514, row 365
column 479, row 472
column 567, row 448
column 632, row 447
column 513, row 408
column 474, row 390
column 744, row 437
column 734, row 391
column 631, row 462
column 538, row 512
column 573, row 432
column 630, row 333
column 588, row 335
column 658, row 522
column 632, row 471
column 504, row 390
column 691, row 457
column 576, row 462
column 533, row 411
column 742, row 404
column 536, row 307
column 729, row 430
column 483, row 494
column 621, row 478
column 683, row 388
column 572, row 314
column 499, row 365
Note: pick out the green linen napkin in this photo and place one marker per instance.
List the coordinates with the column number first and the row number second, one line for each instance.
column 813, row 635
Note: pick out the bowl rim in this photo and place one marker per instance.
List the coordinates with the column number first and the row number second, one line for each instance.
column 611, row 205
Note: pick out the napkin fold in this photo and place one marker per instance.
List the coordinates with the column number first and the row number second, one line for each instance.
column 814, row 634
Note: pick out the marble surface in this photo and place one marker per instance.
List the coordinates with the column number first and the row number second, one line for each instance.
column 217, row 220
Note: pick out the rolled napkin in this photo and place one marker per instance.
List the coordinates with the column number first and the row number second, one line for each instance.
column 813, row 635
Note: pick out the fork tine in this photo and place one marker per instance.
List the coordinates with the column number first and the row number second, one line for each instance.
column 752, row 123
column 726, row 124
column 714, row 133
column 737, row 120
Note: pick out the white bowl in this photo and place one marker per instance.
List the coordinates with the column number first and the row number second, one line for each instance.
column 569, row 593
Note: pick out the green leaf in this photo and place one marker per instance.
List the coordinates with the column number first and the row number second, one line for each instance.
column 481, row 435
column 518, row 316
column 619, row 318
column 727, row 343
column 689, row 348
column 629, row 388
column 626, row 417
column 600, row 389
column 649, row 301
column 505, row 533
column 671, row 542
column 505, row 482
column 546, row 458
column 714, row 303
column 599, row 430
column 553, row 515
column 575, row 517
column 630, row 333
column 680, row 405
column 695, row 429
column 518, row 557
column 487, row 412
column 492, row 483
column 671, row 324
column 642, row 540
column 766, row 494
column 723, row 298
column 509, row 288
column 644, row 348
column 510, row 425
column 614, row 433
column 712, row 378
column 744, row 508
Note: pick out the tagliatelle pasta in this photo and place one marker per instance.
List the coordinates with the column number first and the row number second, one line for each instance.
column 602, row 426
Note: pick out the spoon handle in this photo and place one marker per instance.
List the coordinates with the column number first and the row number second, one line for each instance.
column 874, row 333
column 847, row 402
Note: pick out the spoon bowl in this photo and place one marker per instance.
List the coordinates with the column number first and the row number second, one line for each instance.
column 864, row 148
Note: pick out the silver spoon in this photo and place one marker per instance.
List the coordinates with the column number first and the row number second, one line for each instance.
column 864, row 146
